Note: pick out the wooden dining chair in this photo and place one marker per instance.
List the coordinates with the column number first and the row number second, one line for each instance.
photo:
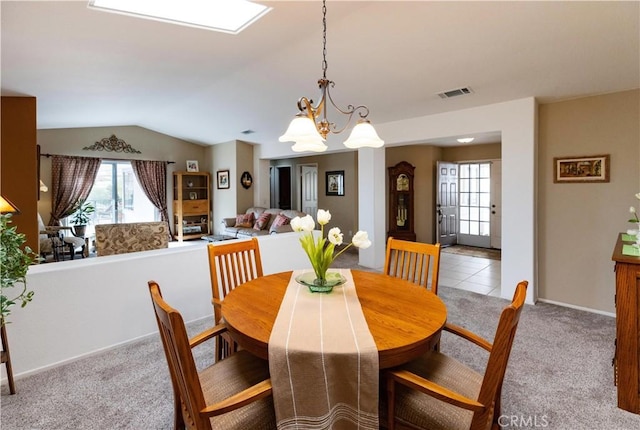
column 230, row 264
column 234, row 393
column 412, row 260
column 438, row 392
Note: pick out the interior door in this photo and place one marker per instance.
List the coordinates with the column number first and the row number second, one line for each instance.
column 447, row 203
column 496, row 204
column 309, row 189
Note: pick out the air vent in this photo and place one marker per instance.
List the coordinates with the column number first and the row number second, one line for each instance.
column 247, row 131
column 455, row 93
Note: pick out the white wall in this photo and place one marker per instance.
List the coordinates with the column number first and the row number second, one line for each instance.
column 81, row 307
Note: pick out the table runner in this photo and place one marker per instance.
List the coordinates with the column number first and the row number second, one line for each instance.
column 323, row 360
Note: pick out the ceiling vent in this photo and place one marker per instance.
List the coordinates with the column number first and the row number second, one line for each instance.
column 455, row 93
column 247, row 131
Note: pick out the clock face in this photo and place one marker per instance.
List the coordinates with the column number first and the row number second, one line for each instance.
column 246, row 180
column 402, row 183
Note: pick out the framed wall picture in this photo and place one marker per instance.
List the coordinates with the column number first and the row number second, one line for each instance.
column 593, row 168
column 192, row 166
column 335, row 183
column 223, row 179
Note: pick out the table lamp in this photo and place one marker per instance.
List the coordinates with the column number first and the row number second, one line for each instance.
column 6, row 207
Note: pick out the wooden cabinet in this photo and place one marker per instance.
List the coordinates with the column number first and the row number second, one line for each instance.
column 627, row 355
column 191, row 205
column 401, row 203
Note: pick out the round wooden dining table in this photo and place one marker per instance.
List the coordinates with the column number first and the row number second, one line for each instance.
column 404, row 319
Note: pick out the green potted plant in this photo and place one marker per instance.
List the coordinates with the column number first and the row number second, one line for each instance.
column 14, row 264
column 81, row 217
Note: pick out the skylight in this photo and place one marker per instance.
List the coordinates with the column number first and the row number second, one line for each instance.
column 228, row 16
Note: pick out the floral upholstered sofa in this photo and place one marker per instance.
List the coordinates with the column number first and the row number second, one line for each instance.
column 258, row 221
column 131, row 237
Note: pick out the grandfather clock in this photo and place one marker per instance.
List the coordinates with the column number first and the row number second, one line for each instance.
column 401, row 223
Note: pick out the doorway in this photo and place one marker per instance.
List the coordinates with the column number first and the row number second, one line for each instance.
column 469, row 203
column 280, row 187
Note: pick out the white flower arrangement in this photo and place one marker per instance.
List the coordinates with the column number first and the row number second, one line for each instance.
column 321, row 251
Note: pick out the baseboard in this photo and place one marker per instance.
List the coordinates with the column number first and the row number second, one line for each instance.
column 580, row 308
column 21, row 375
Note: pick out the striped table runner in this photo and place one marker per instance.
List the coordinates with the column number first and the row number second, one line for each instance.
column 323, row 360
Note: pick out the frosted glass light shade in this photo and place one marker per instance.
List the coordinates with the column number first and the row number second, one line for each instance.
column 303, row 132
column 363, row 135
column 304, row 146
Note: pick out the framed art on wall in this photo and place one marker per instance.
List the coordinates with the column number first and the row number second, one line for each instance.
column 593, row 168
column 192, row 165
column 335, row 183
column 223, row 179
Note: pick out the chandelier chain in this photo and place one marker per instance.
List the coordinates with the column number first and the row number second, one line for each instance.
column 324, row 39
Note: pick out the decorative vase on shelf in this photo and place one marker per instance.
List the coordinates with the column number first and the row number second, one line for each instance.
column 320, row 251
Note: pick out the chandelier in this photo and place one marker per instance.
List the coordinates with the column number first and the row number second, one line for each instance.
column 310, row 126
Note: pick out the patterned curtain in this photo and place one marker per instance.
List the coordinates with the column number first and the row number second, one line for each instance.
column 152, row 176
column 72, row 180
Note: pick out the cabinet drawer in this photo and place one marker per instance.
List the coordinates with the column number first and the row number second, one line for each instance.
column 195, row 206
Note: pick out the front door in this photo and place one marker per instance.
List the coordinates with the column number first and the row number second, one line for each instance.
column 447, row 203
column 475, row 204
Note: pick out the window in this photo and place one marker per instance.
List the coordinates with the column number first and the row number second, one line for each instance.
column 475, row 197
column 118, row 198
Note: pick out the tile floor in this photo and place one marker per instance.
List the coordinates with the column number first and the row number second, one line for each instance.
column 479, row 275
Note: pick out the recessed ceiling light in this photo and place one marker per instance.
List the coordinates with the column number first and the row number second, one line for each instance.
column 466, row 140
column 228, row 16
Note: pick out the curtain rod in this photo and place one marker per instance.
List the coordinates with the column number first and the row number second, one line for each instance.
column 114, row 159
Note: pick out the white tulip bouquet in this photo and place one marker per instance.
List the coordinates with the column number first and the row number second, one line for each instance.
column 321, row 250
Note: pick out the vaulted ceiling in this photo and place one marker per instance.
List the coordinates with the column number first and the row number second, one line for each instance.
column 89, row 68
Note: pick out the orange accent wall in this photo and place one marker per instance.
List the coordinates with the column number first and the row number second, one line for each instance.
column 18, row 163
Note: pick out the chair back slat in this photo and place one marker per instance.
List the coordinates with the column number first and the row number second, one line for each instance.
column 414, row 262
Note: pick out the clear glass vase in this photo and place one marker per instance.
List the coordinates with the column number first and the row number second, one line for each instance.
column 316, row 285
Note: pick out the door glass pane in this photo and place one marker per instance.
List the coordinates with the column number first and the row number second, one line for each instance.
column 464, row 199
column 484, row 214
column 485, row 199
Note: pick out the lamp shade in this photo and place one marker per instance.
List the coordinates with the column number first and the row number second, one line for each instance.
column 309, row 145
column 302, row 130
column 363, row 135
column 6, row 207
